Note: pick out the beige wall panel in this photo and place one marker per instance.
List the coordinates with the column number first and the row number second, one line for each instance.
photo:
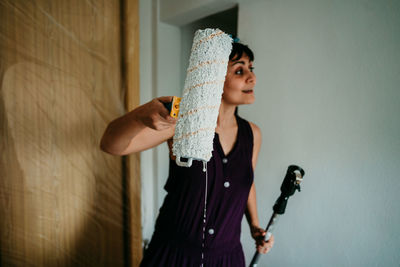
column 60, row 84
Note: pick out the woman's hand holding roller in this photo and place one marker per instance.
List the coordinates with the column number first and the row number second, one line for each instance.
column 155, row 115
column 142, row 128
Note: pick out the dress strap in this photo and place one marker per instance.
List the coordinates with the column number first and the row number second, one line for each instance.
column 246, row 134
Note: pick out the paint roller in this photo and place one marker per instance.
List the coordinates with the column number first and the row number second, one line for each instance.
column 199, row 106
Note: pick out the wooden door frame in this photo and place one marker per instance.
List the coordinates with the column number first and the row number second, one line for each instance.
column 131, row 83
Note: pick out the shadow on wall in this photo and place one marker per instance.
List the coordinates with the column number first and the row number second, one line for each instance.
column 57, row 203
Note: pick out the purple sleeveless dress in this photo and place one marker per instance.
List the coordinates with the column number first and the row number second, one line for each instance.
column 182, row 237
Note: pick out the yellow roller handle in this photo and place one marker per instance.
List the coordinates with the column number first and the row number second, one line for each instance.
column 175, row 106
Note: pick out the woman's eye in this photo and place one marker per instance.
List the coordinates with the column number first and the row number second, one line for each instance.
column 239, row 71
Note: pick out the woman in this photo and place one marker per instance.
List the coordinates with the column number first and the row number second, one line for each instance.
column 182, row 236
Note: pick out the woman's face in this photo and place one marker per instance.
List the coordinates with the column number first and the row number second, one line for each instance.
column 239, row 82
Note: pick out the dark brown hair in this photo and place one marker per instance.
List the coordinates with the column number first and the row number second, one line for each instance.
column 237, row 51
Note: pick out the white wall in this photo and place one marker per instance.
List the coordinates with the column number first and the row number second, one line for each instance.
column 328, row 99
column 182, row 12
column 147, row 172
column 168, row 84
column 159, row 76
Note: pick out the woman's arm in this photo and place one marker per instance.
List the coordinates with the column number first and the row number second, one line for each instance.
column 257, row 232
column 142, row 128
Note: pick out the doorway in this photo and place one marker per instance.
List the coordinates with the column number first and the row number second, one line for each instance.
column 226, row 21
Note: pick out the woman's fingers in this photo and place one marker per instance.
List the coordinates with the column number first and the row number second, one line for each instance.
column 164, row 112
column 257, row 232
column 165, row 99
column 263, row 250
column 155, row 115
column 263, row 246
column 162, row 123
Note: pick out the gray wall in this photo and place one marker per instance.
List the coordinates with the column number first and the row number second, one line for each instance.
column 328, row 98
column 160, row 76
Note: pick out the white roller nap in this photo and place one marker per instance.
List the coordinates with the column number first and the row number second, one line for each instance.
column 199, row 107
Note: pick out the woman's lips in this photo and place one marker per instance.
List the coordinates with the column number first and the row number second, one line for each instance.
column 250, row 91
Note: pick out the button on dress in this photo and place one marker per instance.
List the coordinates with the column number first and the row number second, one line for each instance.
column 182, row 236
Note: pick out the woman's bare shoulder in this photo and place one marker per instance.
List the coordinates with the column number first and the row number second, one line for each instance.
column 256, row 131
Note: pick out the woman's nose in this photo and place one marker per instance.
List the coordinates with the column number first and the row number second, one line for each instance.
column 252, row 78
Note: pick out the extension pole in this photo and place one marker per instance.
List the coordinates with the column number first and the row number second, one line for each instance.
column 290, row 184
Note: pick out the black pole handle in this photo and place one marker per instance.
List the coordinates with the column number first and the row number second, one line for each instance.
column 255, row 259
